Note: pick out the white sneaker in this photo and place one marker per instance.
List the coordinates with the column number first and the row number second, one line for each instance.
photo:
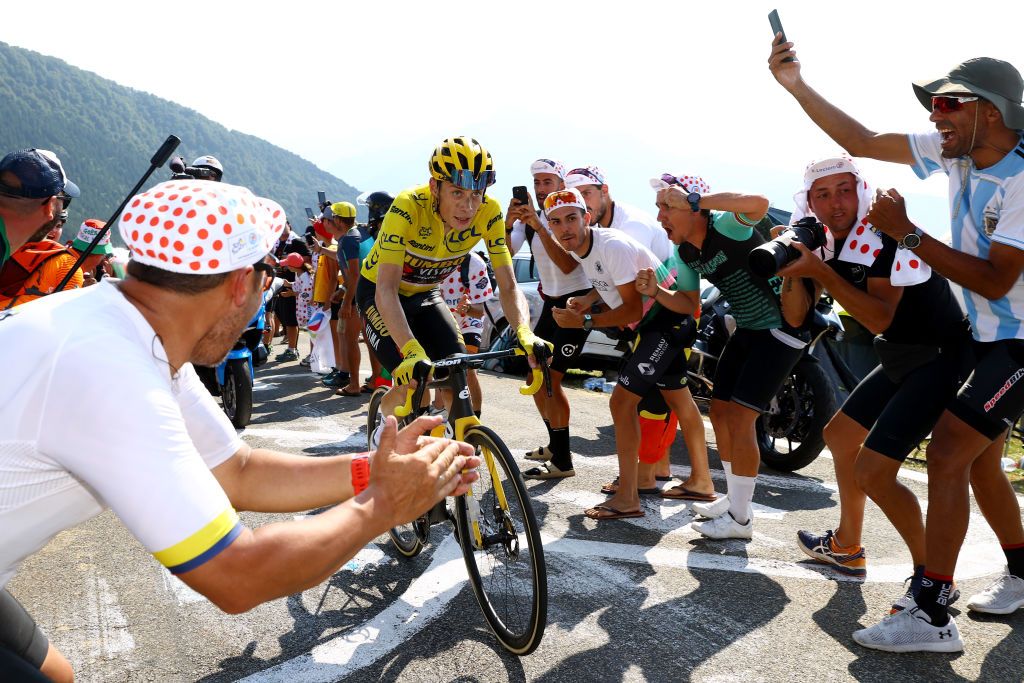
column 1004, row 596
column 910, row 631
column 725, row 527
column 716, row 508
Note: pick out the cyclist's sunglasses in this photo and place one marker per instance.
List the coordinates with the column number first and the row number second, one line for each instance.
column 466, row 180
column 945, row 104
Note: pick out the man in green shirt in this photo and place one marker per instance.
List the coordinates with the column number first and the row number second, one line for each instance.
column 33, row 188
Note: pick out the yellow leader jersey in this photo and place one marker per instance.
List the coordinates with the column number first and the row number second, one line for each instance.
column 414, row 237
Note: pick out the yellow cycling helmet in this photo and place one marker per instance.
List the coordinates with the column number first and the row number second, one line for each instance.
column 463, row 162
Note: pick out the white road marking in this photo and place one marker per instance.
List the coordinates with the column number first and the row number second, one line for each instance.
column 105, row 622
column 419, row 605
column 343, row 436
column 181, row 592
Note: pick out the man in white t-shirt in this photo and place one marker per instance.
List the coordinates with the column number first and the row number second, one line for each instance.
column 613, row 262
column 607, row 213
column 560, row 279
column 177, row 472
column 978, row 115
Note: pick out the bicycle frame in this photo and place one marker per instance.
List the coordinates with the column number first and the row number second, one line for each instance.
column 462, row 418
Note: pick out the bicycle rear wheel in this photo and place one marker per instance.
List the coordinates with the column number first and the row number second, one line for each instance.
column 506, row 559
column 404, row 537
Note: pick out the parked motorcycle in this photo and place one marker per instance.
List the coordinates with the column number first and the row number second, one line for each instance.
column 789, row 433
column 232, row 380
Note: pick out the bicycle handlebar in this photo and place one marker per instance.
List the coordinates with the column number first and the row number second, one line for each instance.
column 421, row 372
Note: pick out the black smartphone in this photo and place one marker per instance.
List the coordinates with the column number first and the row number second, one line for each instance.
column 321, row 198
column 776, row 23
column 520, row 194
column 309, row 213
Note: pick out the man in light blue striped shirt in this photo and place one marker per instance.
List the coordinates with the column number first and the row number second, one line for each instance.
column 977, row 113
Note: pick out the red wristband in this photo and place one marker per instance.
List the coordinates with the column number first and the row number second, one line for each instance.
column 360, row 472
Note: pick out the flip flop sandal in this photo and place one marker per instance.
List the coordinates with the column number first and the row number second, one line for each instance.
column 603, row 512
column 652, row 491
column 540, row 454
column 680, row 492
column 548, row 471
column 345, row 392
column 611, row 487
column 668, row 478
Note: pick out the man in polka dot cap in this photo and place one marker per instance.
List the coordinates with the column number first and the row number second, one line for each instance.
column 177, row 470
column 896, row 405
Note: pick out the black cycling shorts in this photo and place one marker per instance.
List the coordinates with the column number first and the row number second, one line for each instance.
column 899, row 416
column 568, row 342
column 471, row 339
column 658, row 358
column 753, row 366
column 992, row 398
column 285, row 311
column 19, row 633
column 429, row 319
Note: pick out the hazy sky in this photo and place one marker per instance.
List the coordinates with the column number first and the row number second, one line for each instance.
column 637, row 88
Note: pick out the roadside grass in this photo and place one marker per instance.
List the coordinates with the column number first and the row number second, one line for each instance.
column 918, row 461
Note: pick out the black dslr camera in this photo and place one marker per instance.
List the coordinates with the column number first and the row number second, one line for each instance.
column 766, row 260
column 182, row 172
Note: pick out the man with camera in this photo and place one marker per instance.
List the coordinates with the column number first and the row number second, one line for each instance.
column 33, row 190
column 177, row 471
column 715, row 234
column 922, row 335
column 615, row 264
column 560, row 279
column 977, row 111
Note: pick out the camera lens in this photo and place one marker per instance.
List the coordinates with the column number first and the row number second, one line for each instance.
column 766, row 259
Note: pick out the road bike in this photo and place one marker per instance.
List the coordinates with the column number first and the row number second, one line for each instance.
column 494, row 522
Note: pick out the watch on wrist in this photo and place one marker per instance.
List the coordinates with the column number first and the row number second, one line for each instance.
column 912, row 240
column 588, row 322
column 694, row 201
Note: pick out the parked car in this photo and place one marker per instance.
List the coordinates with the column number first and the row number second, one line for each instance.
column 599, row 347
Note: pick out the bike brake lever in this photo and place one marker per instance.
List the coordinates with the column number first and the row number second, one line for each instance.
column 414, row 396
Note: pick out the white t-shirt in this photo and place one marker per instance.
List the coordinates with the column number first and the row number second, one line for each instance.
column 642, row 227
column 90, row 418
column 480, row 289
column 615, row 259
column 552, row 280
column 991, row 209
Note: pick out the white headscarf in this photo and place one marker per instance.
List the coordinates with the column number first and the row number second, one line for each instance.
column 864, row 243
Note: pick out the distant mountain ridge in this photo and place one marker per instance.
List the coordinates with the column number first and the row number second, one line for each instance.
column 105, row 135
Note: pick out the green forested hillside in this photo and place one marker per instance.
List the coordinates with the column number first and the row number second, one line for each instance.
column 105, row 134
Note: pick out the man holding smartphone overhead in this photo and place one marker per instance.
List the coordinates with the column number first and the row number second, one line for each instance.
column 977, row 112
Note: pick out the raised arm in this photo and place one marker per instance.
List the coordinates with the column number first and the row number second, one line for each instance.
column 849, row 133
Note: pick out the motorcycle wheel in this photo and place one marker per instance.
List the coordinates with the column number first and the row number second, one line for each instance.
column 236, row 393
column 789, row 435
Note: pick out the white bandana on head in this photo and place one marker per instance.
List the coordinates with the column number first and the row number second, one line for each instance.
column 864, row 243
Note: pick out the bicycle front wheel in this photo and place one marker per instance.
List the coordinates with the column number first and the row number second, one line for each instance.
column 501, row 544
column 404, row 537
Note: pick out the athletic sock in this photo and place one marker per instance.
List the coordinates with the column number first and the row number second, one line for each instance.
column 741, row 492
column 560, row 456
column 727, row 466
column 547, row 426
column 1015, row 559
column 915, row 580
column 933, row 596
column 477, row 413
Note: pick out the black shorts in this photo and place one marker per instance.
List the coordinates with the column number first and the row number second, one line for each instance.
column 658, row 358
column 334, row 310
column 753, row 366
column 19, row 633
column 471, row 339
column 992, row 398
column 285, row 310
column 899, row 416
column 429, row 319
column 568, row 342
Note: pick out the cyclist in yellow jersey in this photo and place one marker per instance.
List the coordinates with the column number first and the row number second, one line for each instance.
column 425, row 236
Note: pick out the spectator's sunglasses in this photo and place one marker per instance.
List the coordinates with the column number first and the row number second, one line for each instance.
column 946, row 104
